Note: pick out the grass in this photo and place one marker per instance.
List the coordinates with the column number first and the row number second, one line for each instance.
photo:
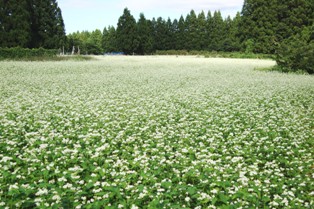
column 155, row 132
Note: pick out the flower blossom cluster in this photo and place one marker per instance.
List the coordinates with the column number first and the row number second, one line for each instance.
column 155, row 132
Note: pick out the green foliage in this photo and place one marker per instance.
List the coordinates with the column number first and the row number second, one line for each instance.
column 268, row 23
column 161, row 34
column 249, row 46
column 32, row 24
column 94, row 43
column 86, row 42
column 127, row 37
column 293, row 15
column 14, row 24
column 215, row 54
column 232, row 40
column 217, row 33
column 258, row 23
column 47, row 26
column 180, row 35
column 24, row 53
column 297, row 52
column 171, row 52
column 195, row 32
column 192, row 38
column 109, row 43
column 145, row 36
column 202, row 34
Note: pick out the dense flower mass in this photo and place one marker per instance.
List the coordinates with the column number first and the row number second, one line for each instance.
column 155, row 132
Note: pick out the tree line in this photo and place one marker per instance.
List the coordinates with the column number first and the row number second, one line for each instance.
column 194, row 32
column 261, row 27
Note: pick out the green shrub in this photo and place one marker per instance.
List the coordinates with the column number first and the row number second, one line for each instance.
column 215, row 54
column 17, row 53
column 297, row 52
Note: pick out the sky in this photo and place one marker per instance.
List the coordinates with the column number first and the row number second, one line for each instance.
column 79, row 15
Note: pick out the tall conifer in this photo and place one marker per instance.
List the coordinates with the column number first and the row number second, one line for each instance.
column 14, row 24
column 145, row 35
column 127, row 40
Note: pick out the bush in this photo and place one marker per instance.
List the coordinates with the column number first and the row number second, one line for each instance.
column 24, row 53
column 297, row 52
column 171, row 52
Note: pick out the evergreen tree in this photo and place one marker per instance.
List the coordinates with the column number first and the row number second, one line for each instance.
column 145, row 36
column 14, row 24
column 170, row 35
column 192, row 31
column 47, row 27
column 267, row 23
column 160, row 34
column 258, row 25
column 297, row 52
column 217, row 32
column 202, row 33
column 175, row 30
column 292, row 15
column 127, row 40
column 232, row 42
column 109, row 39
column 209, row 30
column 181, row 35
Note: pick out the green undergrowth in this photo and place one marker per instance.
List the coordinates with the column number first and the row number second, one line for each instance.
column 215, row 54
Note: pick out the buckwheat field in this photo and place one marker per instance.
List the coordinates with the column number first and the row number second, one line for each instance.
column 155, row 132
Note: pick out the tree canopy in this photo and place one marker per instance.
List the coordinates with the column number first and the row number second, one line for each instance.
column 32, row 24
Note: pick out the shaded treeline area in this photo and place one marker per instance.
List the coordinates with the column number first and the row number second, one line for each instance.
column 31, row 24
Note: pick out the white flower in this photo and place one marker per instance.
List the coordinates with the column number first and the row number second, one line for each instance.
column 5, row 159
column 214, row 191
column 43, row 191
column 14, row 186
column 187, row 199
column 76, row 168
column 56, row 197
column 134, row 207
column 43, row 146
column 184, row 150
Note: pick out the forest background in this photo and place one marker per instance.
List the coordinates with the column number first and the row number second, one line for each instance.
column 283, row 29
